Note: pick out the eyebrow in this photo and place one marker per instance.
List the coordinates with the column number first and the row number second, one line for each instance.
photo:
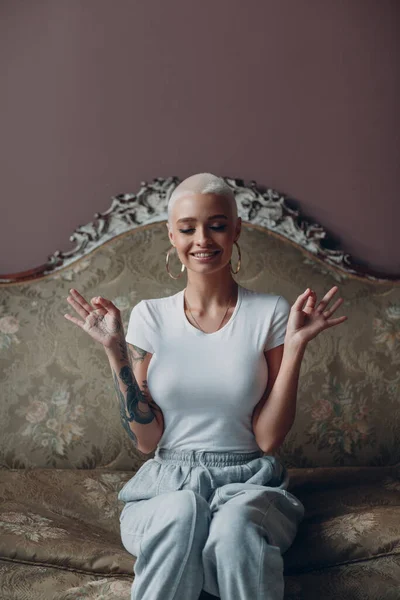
column 194, row 219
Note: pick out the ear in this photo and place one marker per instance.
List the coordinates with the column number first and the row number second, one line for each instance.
column 170, row 234
column 238, row 227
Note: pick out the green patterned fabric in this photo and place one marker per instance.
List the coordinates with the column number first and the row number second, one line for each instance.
column 59, row 407
column 65, row 454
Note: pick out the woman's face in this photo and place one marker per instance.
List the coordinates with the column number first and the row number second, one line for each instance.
column 203, row 231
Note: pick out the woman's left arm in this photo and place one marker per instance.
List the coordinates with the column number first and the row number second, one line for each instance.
column 305, row 323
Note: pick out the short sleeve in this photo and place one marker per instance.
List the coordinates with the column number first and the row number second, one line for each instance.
column 140, row 331
column 277, row 331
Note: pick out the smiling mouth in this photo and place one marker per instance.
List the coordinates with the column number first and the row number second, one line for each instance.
column 208, row 253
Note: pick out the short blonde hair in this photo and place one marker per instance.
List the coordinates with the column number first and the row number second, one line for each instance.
column 202, row 183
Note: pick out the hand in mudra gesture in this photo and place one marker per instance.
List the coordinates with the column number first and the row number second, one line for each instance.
column 306, row 322
column 102, row 321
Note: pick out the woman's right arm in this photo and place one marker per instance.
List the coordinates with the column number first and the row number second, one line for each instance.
column 137, row 409
column 141, row 417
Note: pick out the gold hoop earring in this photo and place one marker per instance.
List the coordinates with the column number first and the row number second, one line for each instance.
column 239, row 262
column 166, row 261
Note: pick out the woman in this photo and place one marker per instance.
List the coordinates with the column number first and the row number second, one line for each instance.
column 211, row 510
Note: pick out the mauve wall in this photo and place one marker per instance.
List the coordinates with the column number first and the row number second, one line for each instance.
column 98, row 95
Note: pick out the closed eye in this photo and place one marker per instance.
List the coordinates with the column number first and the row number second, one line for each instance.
column 220, row 228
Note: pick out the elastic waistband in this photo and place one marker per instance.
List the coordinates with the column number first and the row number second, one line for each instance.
column 205, row 457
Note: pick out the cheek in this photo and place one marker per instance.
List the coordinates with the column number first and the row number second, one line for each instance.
column 183, row 248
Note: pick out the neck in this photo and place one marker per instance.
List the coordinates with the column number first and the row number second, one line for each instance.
column 211, row 294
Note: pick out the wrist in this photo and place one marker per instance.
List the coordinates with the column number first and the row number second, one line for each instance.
column 294, row 346
column 115, row 345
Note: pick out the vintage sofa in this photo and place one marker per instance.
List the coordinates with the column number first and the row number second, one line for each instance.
column 65, row 455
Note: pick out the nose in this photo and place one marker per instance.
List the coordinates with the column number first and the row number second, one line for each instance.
column 202, row 238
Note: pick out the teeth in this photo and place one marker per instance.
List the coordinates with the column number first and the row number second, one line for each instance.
column 204, row 255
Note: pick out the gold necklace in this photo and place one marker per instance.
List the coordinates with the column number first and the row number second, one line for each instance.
column 195, row 319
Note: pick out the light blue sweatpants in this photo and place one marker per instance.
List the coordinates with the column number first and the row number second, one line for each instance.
column 218, row 521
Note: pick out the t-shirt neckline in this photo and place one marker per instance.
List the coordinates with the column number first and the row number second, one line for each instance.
column 194, row 329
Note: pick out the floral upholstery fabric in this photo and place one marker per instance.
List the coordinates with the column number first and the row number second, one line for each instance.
column 66, row 521
column 64, row 454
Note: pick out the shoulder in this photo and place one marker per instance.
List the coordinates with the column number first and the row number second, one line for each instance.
column 155, row 309
column 271, row 302
column 157, row 304
column 282, row 306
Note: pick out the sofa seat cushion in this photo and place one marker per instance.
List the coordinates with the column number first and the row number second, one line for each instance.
column 24, row 581
column 64, row 517
column 352, row 514
column 69, row 518
column 368, row 580
column 376, row 579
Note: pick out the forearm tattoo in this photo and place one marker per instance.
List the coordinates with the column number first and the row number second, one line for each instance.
column 141, row 354
column 123, row 350
column 130, row 404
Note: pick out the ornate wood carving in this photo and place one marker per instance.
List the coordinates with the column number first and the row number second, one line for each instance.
column 260, row 206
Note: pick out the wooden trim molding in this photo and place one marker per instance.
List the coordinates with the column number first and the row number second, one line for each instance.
column 257, row 206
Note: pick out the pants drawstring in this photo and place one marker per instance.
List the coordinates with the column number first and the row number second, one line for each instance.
column 183, row 482
column 191, row 463
column 205, row 467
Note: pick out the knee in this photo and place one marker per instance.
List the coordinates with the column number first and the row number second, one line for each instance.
column 183, row 506
column 230, row 530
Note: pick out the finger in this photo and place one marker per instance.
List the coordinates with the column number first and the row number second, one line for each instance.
column 334, row 307
column 80, row 299
column 310, row 304
column 78, row 307
column 74, row 320
column 106, row 303
column 327, row 298
column 298, row 305
column 332, row 322
column 95, row 302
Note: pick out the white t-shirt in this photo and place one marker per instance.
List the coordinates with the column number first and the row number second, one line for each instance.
column 208, row 384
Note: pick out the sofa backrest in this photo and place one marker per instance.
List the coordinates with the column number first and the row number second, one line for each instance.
column 58, row 406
